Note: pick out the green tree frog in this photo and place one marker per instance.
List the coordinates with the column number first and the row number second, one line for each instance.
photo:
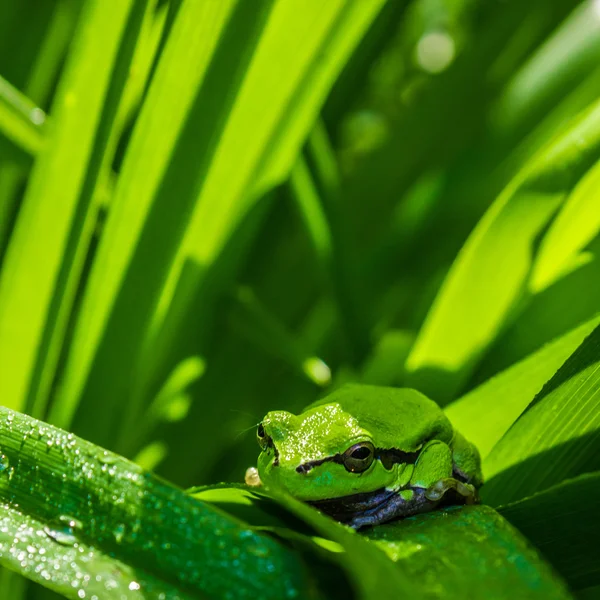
column 367, row 454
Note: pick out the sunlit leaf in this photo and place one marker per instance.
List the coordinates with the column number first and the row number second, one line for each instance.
column 486, row 413
column 557, row 437
column 575, row 226
column 44, row 246
column 128, row 521
column 21, row 121
column 490, row 273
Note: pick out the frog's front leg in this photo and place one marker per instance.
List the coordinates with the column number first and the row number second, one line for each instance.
column 433, row 465
column 438, row 490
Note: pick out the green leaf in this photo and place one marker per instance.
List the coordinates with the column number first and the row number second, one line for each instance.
column 153, row 154
column 177, row 204
column 491, row 270
column 557, row 437
column 467, row 552
column 61, row 561
column 558, row 64
column 543, row 318
column 450, row 553
column 80, row 493
column 50, row 236
column 21, row 121
column 576, row 225
column 563, row 522
column 486, row 413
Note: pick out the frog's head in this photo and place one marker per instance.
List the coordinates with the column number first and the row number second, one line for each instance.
column 321, row 454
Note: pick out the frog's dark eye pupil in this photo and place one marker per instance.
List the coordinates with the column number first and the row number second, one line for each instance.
column 358, row 458
column 361, row 453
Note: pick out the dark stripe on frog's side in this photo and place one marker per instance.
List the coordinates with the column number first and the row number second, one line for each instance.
column 388, row 459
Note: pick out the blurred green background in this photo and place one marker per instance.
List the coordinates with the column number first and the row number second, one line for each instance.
column 211, row 209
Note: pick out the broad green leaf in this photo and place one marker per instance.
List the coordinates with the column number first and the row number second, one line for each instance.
column 563, row 522
column 486, row 413
column 543, row 318
column 572, row 230
column 491, row 271
column 467, row 552
column 450, row 553
column 43, row 246
column 61, row 561
column 557, row 437
column 123, row 515
column 382, row 579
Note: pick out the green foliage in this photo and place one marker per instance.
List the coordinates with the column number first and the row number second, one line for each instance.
column 209, row 210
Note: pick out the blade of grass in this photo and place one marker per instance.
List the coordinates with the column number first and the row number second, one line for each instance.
column 557, row 437
column 250, row 317
column 324, row 223
column 563, row 522
column 21, row 120
column 95, row 189
column 571, row 231
column 37, row 87
column 489, row 275
column 51, row 215
column 486, row 413
column 247, row 129
column 151, row 206
column 315, row 49
column 543, row 318
column 558, row 64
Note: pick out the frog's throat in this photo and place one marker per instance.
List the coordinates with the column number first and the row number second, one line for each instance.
column 385, row 504
column 387, row 457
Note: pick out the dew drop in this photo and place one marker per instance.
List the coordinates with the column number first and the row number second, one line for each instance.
column 106, row 458
column 70, row 522
column 64, row 533
column 4, row 463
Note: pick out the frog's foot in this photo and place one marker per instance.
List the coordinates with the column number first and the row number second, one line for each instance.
column 439, row 489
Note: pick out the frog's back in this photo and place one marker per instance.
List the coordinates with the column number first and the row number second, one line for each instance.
column 402, row 418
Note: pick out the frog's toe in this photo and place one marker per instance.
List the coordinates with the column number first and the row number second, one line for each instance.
column 439, row 489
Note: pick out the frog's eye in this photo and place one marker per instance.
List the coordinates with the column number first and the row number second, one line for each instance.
column 358, row 458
